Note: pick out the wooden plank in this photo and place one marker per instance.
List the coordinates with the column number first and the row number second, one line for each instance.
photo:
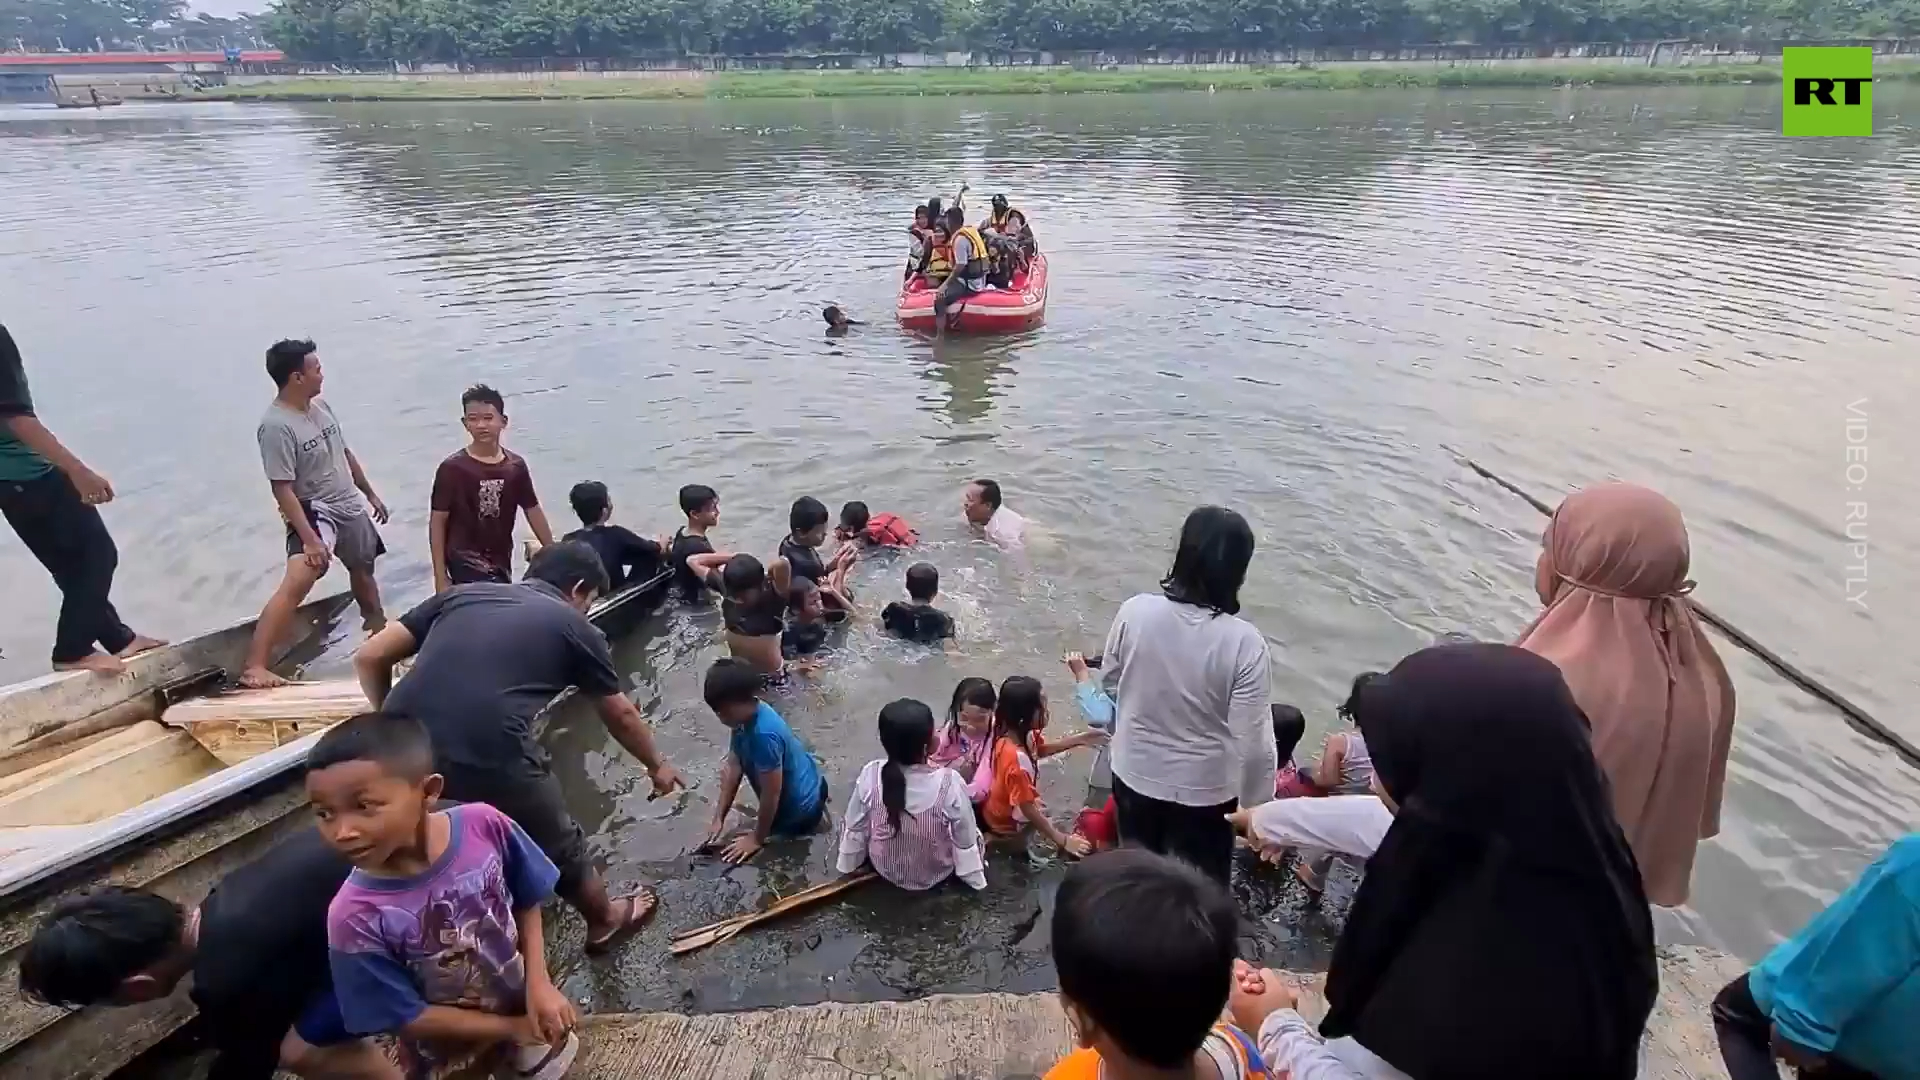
column 145, row 761
column 998, row 1036
column 45, row 703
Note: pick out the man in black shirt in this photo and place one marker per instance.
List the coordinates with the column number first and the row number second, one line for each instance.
column 256, row 948
column 628, row 557
column 52, row 500
column 488, row 658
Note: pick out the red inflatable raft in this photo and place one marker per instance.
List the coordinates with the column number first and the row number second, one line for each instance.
column 996, row 311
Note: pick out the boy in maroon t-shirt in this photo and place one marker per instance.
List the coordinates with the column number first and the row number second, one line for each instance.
column 476, row 493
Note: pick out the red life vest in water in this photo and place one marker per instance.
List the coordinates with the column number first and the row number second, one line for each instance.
column 890, row 530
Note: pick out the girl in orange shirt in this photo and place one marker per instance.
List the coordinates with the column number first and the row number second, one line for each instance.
column 1013, row 792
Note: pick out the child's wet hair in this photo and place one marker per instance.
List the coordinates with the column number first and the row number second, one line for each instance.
column 743, row 573
column 398, row 744
column 1017, row 714
column 731, row 681
column 808, row 513
column 590, row 500
column 1350, row 708
column 906, row 732
column 975, row 691
column 802, row 591
column 1289, row 727
column 923, row 582
column 696, row 497
column 1145, row 945
column 854, row 516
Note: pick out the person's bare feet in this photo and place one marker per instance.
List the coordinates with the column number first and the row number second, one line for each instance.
column 103, row 663
column 259, row 678
column 140, row 643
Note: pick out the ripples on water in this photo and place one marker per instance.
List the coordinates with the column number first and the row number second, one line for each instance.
column 1284, row 303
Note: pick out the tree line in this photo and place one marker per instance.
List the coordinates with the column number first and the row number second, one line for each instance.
column 450, row 30
column 84, row 25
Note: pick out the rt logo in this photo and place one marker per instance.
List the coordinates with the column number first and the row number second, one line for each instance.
column 1826, row 91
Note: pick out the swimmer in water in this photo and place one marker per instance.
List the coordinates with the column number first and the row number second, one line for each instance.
column 837, row 322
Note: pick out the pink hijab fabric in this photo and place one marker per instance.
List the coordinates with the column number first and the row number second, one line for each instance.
column 1613, row 577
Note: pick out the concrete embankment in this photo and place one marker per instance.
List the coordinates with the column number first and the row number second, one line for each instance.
column 1010, row 1036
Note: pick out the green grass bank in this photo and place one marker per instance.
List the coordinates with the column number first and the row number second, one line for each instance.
column 1006, row 81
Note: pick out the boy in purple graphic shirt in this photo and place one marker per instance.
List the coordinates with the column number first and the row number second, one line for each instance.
column 435, row 937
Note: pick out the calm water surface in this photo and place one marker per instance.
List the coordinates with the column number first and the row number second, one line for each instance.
column 1288, row 304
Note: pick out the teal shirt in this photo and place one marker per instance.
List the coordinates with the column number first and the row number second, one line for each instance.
column 17, row 463
column 1848, row 985
column 768, row 745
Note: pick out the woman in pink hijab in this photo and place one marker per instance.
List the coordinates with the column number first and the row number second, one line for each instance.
column 1613, row 577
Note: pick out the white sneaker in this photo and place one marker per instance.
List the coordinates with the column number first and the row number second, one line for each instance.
column 542, row 1062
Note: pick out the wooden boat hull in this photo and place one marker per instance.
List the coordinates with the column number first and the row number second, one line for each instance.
column 235, row 815
column 1001, row 311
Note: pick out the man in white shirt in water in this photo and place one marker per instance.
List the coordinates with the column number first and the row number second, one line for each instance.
column 984, row 508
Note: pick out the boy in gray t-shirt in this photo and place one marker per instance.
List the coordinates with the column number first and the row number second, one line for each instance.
column 329, row 506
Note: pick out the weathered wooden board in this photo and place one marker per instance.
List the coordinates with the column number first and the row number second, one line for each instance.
column 118, row 773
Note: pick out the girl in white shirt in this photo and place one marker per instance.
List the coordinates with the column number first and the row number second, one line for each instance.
column 913, row 822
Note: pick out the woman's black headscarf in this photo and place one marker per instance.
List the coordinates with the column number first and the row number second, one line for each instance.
column 1501, row 930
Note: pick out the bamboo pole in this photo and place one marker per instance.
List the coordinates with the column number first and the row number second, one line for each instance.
column 714, row 933
column 1859, row 717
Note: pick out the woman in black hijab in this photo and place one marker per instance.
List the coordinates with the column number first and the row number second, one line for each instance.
column 1501, row 930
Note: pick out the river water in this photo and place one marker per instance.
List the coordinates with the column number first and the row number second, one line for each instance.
column 1290, row 304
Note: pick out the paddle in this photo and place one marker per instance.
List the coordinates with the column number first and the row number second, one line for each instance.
column 1859, row 716
column 713, row 933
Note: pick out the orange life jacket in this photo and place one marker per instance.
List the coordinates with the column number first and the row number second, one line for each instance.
column 890, row 530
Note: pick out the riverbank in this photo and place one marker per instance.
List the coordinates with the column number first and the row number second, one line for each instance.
column 935, row 83
column 1013, row 1035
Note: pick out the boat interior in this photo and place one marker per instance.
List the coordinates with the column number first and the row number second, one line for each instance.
column 83, row 756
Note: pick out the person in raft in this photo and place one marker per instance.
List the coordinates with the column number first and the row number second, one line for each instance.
column 1012, row 800
column 1839, row 999
column 256, row 948
column 763, row 750
column 1144, row 948
column 919, row 241
column 969, row 258
column 861, row 528
column 488, row 658
column 436, row 936
column 477, row 494
column 918, row 620
column 53, row 502
column 701, row 504
column 627, row 556
column 324, row 497
column 910, row 820
column 806, row 531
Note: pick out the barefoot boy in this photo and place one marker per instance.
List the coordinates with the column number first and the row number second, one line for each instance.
column 476, row 494
column 763, row 750
column 323, row 495
column 436, row 934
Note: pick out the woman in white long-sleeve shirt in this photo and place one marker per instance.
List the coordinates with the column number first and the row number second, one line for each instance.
column 1193, row 738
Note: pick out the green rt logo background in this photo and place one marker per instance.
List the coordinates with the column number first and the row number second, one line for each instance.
column 1826, row 91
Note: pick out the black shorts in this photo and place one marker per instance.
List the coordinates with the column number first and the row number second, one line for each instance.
column 467, row 573
column 534, row 801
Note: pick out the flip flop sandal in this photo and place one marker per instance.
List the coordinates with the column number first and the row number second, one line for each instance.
column 541, row 1062
column 631, row 926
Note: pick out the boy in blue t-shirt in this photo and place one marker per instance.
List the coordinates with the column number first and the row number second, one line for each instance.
column 763, row 749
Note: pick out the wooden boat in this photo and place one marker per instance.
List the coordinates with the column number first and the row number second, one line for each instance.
column 152, row 780
column 1021, row 306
